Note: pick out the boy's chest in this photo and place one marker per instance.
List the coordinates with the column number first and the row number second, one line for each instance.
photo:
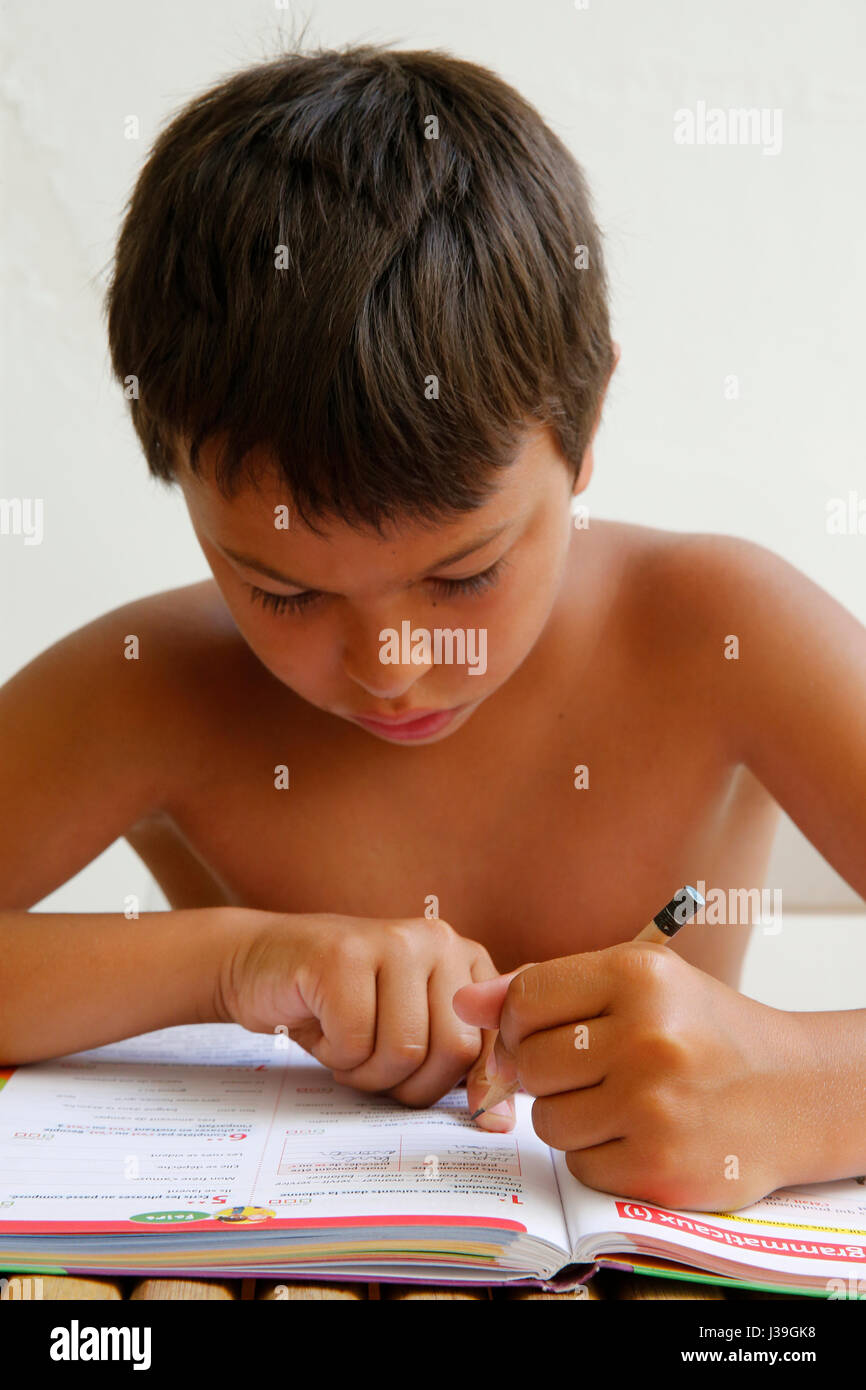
column 535, row 849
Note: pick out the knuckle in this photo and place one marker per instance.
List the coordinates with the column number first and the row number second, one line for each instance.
column 481, row 963
column 656, row 1113
column 523, row 992
column 408, row 1052
column 351, row 953
column 465, row 1048
column 642, row 960
column 412, row 1097
column 663, row 1051
column 357, row 1042
column 421, row 930
column 404, row 931
column 659, row 1158
column 439, row 929
column 531, row 1070
column 543, row 1122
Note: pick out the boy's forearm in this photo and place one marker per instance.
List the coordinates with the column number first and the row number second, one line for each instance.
column 831, row 1124
column 74, row 981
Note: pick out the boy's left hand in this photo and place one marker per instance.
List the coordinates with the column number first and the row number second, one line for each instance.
column 660, row 1082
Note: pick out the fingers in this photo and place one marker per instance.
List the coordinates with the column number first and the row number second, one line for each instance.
column 308, row 1036
column 478, row 1083
column 402, row 1029
column 566, row 989
column 454, row 1046
column 481, row 1003
column 566, row 1059
column 386, row 1019
column 346, row 1010
column 500, row 1117
column 503, row 1067
column 575, row 1119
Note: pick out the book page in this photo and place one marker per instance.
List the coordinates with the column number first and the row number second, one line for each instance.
column 206, row 1126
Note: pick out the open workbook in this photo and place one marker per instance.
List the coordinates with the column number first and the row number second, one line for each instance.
column 215, row 1151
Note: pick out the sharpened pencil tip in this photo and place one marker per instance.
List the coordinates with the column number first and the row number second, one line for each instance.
column 477, row 1113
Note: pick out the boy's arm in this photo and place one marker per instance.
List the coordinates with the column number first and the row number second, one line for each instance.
column 795, row 702
column 676, row 1073
column 796, row 699
column 85, row 747
column 87, row 740
column 78, row 980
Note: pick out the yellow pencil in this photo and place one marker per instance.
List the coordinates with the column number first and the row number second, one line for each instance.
column 665, row 925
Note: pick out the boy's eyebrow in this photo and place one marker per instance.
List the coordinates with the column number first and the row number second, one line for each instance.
column 249, row 562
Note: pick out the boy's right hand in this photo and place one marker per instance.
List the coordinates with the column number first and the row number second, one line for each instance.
column 370, row 999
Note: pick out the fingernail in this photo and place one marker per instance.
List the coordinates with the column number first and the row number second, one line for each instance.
column 503, row 1108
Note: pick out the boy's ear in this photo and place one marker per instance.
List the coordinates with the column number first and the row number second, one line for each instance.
column 585, row 473
column 588, row 461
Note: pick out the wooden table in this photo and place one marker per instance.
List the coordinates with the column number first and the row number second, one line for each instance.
column 607, row 1285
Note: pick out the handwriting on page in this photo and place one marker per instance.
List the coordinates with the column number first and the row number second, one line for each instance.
column 305, row 1159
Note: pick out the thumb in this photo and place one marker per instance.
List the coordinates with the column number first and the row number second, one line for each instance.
column 481, row 1003
column 478, row 1083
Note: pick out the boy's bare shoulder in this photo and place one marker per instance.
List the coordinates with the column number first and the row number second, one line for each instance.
column 691, row 608
column 183, row 655
column 732, row 626
column 183, row 637
column 130, row 683
column 176, row 630
column 96, row 731
column 685, row 584
column 677, row 559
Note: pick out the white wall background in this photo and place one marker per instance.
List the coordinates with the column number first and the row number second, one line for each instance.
column 723, row 261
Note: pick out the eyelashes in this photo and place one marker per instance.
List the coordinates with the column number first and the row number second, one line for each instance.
column 297, row 603
column 282, row 603
column 472, row 584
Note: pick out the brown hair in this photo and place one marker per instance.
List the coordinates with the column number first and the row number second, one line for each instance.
column 405, row 258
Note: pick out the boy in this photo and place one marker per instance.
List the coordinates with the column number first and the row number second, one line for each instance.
column 359, row 310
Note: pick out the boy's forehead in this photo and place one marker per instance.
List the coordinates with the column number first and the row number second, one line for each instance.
column 261, row 511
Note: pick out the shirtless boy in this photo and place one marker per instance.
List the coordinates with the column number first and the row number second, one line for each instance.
column 359, row 312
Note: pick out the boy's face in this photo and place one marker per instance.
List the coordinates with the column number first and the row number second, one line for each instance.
column 327, row 614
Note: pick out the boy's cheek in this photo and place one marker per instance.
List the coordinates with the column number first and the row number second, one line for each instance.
column 303, row 667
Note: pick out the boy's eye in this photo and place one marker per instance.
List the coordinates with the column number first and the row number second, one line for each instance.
column 284, row 603
column 473, row 583
column 296, row 603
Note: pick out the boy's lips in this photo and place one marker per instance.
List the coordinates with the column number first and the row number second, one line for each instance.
column 413, row 724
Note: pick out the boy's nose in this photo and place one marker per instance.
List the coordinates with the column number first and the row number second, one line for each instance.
column 384, row 680
column 380, row 689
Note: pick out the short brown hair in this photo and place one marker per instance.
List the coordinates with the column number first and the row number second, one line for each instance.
column 406, row 259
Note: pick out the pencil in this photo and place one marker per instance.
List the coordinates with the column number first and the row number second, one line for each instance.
column 665, row 925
